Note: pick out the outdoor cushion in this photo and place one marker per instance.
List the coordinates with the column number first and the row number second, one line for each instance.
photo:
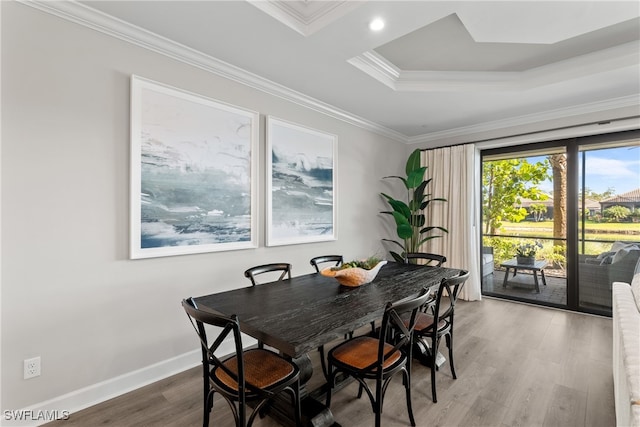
column 622, row 252
column 605, row 254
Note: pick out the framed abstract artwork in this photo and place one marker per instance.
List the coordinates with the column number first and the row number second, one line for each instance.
column 193, row 173
column 301, row 184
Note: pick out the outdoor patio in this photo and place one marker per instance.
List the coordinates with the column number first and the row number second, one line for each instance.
column 554, row 293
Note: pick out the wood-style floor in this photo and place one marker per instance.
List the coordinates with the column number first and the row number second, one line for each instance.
column 517, row 365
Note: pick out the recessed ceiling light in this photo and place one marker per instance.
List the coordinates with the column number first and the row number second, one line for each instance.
column 376, row 25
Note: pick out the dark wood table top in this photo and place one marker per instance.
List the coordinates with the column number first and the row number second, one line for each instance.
column 298, row 315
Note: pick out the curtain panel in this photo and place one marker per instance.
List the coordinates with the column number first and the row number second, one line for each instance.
column 455, row 172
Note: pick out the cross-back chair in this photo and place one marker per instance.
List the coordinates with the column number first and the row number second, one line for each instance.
column 438, row 322
column 254, row 375
column 428, row 257
column 336, row 260
column 380, row 358
column 251, row 273
column 283, row 267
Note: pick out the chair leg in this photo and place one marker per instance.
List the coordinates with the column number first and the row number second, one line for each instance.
column 208, row 406
column 449, row 338
column 378, row 404
column 434, row 352
column 323, row 363
column 330, row 381
column 407, row 382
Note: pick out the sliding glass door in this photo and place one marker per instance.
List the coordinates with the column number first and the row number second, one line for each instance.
column 561, row 220
column 609, row 221
column 525, row 222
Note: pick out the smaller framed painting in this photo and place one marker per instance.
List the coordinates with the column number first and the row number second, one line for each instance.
column 193, row 173
column 301, row 184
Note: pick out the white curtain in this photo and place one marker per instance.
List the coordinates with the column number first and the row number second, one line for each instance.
column 455, row 173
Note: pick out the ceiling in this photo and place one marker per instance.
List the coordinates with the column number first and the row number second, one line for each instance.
column 436, row 69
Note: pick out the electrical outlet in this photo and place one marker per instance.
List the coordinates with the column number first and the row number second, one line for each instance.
column 31, row 367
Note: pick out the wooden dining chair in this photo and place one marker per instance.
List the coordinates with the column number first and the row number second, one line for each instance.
column 336, row 260
column 254, row 375
column 428, row 257
column 438, row 322
column 379, row 358
column 284, row 268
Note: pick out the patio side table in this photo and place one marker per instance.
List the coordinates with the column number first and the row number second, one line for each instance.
column 537, row 266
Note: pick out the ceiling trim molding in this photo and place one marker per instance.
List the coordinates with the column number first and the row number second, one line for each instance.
column 305, row 17
column 109, row 25
column 632, row 101
column 381, row 69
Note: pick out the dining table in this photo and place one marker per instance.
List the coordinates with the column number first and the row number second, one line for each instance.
column 298, row 315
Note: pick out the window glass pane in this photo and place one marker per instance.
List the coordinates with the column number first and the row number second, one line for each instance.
column 609, row 220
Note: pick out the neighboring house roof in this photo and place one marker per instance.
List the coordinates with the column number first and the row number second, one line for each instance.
column 632, row 196
column 591, row 204
column 525, row 203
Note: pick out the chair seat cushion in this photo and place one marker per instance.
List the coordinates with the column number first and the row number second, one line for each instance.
column 263, row 369
column 424, row 321
column 361, row 352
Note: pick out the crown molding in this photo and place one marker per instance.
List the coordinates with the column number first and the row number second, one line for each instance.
column 305, row 17
column 107, row 24
column 381, row 69
column 468, row 132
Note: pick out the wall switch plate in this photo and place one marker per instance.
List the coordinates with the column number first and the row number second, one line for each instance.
column 31, row 367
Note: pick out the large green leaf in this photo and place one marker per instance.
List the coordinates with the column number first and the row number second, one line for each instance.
column 418, row 193
column 427, row 229
column 397, row 257
column 398, row 177
column 413, row 162
column 405, row 231
column 414, row 178
column 400, row 219
column 400, row 207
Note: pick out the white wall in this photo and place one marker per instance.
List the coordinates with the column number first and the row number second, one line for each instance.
column 69, row 292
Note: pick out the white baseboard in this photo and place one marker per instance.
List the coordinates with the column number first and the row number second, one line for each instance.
column 77, row 400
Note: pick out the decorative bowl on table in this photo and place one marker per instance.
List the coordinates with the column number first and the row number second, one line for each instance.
column 351, row 275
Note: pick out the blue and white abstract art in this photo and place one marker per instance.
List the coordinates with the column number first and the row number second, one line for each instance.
column 192, row 173
column 301, row 184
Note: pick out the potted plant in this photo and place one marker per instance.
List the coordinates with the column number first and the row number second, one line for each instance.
column 526, row 253
column 409, row 216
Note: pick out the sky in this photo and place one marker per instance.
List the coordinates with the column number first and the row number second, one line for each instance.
column 613, row 167
column 617, row 168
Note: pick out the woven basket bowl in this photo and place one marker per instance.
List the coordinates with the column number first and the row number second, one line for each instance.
column 355, row 276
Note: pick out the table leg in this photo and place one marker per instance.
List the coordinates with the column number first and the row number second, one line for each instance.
column 314, row 411
column 535, row 280
column 544, row 279
column 506, row 276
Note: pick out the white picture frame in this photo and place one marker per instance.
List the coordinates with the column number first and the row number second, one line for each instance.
column 300, row 184
column 194, row 173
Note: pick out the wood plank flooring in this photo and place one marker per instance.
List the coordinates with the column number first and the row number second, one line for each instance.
column 517, row 365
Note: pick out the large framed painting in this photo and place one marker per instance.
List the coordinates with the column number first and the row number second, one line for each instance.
column 193, row 173
column 301, row 184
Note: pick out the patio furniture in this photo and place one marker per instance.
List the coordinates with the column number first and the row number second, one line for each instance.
column 487, row 260
column 512, row 264
column 596, row 275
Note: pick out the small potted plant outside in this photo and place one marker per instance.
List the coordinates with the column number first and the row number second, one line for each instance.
column 526, row 253
column 355, row 273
